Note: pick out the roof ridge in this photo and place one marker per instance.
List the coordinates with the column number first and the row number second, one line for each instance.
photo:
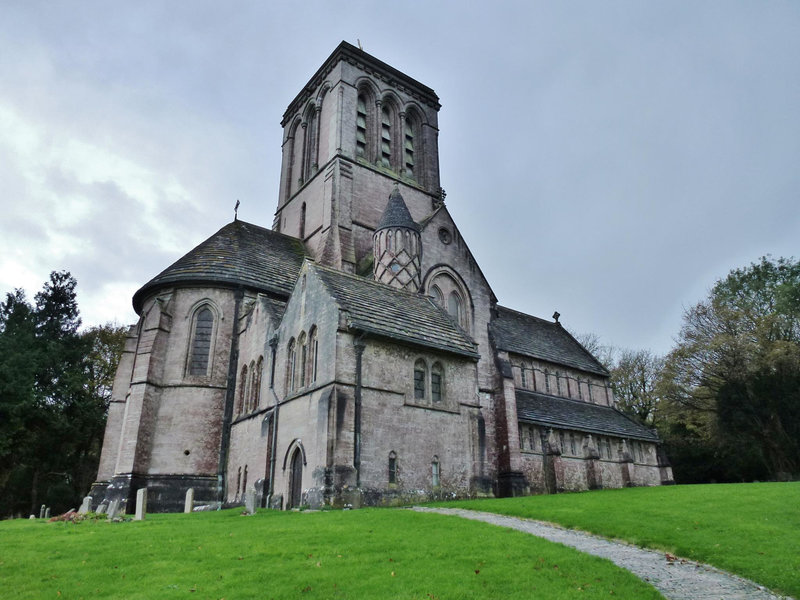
column 519, row 312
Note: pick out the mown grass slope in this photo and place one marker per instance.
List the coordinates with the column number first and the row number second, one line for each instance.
column 352, row 554
column 749, row 529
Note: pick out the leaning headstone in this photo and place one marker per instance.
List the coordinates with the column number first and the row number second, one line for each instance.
column 188, row 504
column 47, row 513
column 41, row 511
column 32, row 517
column 250, row 501
column 86, row 505
column 113, row 509
column 102, row 509
column 141, row 504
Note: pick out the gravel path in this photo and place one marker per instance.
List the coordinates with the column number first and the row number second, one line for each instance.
column 677, row 579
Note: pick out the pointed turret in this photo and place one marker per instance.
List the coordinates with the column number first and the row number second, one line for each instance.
column 397, row 246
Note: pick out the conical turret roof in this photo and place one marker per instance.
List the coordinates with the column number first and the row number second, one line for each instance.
column 396, row 214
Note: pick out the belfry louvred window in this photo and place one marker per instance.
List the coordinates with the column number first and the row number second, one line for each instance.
column 361, row 127
column 408, row 149
column 386, row 138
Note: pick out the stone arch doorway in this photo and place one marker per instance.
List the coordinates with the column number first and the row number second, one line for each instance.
column 296, row 479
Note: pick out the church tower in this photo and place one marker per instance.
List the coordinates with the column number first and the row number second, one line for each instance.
column 397, row 247
column 358, row 129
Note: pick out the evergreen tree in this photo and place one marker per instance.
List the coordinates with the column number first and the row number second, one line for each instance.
column 54, row 388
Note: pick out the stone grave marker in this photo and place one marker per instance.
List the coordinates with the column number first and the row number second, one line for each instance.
column 250, row 501
column 141, row 504
column 86, row 505
column 41, row 511
column 113, row 509
column 101, row 510
column 188, row 504
column 47, row 513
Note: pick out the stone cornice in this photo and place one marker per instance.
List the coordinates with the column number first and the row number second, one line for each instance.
column 372, row 66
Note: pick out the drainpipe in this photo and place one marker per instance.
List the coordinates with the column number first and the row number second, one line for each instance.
column 359, row 346
column 230, row 394
column 273, row 344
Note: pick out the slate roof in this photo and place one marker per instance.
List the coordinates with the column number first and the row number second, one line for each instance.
column 396, row 214
column 239, row 254
column 404, row 316
column 564, row 413
column 517, row 332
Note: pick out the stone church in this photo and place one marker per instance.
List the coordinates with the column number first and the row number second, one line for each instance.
column 354, row 354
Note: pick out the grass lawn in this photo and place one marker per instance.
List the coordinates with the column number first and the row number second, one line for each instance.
column 375, row 553
column 749, row 529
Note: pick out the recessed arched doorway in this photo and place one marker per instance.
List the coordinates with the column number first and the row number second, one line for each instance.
column 296, row 479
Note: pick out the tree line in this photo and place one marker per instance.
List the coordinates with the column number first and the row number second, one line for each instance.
column 55, row 386
column 726, row 399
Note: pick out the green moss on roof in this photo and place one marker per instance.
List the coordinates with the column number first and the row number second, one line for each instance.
column 404, row 316
column 238, row 255
column 519, row 333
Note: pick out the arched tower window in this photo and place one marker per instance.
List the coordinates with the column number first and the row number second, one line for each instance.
column 310, row 146
column 408, row 148
column 201, row 342
column 435, row 472
column 420, row 375
column 361, row 127
column 386, row 137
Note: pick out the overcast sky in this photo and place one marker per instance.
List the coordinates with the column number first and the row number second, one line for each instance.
column 610, row 160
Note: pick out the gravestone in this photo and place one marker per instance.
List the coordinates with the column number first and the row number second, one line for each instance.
column 113, row 509
column 101, row 510
column 141, row 504
column 86, row 505
column 188, row 504
column 47, row 513
column 250, row 501
column 41, row 512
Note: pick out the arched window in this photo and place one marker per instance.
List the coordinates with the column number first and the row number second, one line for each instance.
column 408, row 148
column 361, row 127
column 547, row 381
column 253, row 388
column 201, row 341
column 242, row 390
column 302, row 355
column 437, row 296
column 455, row 306
column 437, row 383
column 435, row 472
column 420, row 375
column 310, row 156
column 558, row 383
column 392, row 467
column 313, row 348
column 386, row 137
column 302, row 221
column 259, row 377
column 290, row 366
